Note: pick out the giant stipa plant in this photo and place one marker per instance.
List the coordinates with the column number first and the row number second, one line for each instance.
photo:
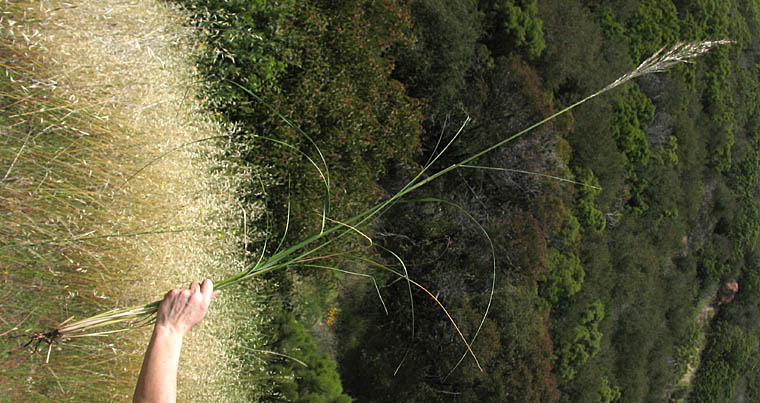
column 310, row 252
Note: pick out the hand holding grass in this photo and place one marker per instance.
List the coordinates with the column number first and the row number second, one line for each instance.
column 180, row 310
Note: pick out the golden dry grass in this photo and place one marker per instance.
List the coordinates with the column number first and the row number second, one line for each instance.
column 125, row 65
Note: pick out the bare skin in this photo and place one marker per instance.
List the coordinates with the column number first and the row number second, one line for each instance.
column 180, row 310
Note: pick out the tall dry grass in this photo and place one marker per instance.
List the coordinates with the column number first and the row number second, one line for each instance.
column 95, row 92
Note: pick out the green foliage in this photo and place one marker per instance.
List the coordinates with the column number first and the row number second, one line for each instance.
column 578, row 59
column 638, row 202
column 570, row 233
column 686, row 352
column 318, row 381
column 703, row 18
column 667, row 154
column 634, row 112
column 564, row 276
column 747, row 228
column 312, row 294
column 719, row 101
column 436, row 67
column 728, row 355
column 611, row 27
column 335, row 84
column 245, row 41
column 591, row 217
column 608, row 394
column 747, row 173
column 752, row 282
column 715, row 259
column 516, row 25
column 513, row 345
column 586, row 343
column 654, row 25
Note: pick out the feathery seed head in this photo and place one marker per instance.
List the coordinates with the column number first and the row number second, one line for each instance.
column 681, row 52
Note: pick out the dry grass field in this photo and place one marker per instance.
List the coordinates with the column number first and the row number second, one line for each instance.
column 105, row 201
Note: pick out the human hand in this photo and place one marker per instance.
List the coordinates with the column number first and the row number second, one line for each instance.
column 182, row 309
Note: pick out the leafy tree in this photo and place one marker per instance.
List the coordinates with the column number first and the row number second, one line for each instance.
column 634, row 112
column 574, row 50
column 667, row 154
column 514, row 25
column 607, row 393
column 654, row 25
column 729, row 353
column 570, row 232
column 589, row 214
column 564, row 276
column 585, row 343
column 437, row 66
column 752, row 282
column 315, row 378
column 611, row 27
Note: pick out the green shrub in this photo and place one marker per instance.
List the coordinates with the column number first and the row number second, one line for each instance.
column 653, row 26
column 607, row 393
column 728, row 355
column 590, row 216
column 315, row 378
column 564, row 276
column 634, row 111
column 585, row 343
column 515, row 25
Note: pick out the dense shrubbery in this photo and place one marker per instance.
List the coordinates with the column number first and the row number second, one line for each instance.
column 325, row 67
column 597, row 284
column 513, row 26
column 301, row 372
column 731, row 353
column 585, row 344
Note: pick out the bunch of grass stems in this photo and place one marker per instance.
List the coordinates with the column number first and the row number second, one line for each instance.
column 306, row 253
column 59, row 156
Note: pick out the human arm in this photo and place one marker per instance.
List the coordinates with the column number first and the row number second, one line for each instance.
column 178, row 313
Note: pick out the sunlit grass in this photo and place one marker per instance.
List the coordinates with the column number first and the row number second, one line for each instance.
column 91, row 92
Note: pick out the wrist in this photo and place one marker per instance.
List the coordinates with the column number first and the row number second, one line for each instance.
column 166, row 331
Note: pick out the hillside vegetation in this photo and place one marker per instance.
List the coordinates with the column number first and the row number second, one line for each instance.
column 597, row 285
column 611, row 227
